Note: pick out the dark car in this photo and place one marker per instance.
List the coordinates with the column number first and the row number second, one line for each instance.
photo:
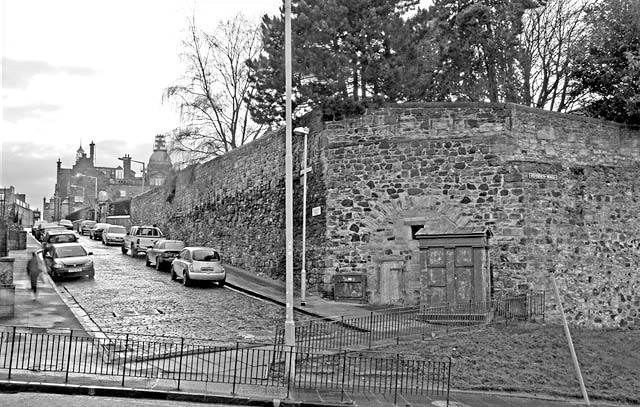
column 85, row 226
column 44, row 228
column 54, row 236
column 163, row 252
column 95, row 233
column 68, row 260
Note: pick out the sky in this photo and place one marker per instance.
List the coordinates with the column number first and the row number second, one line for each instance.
column 77, row 71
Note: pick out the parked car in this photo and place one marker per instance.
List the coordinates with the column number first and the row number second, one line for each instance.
column 198, row 263
column 85, row 226
column 163, row 252
column 54, row 236
column 43, row 229
column 95, row 233
column 68, row 260
column 34, row 228
column 66, row 223
column 113, row 234
column 141, row 238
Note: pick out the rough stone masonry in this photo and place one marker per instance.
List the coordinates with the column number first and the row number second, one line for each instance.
column 558, row 193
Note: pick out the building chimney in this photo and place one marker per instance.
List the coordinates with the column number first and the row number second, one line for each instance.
column 59, row 164
column 92, row 151
column 126, row 164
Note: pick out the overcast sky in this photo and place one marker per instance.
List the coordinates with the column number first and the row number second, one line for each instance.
column 76, row 71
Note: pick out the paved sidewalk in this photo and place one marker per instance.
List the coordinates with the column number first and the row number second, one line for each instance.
column 52, row 311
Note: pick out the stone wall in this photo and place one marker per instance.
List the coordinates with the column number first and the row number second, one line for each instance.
column 236, row 204
column 557, row 192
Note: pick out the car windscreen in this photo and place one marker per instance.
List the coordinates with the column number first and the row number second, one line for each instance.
column 205, row 255
column 173, row 246
column 70, row 251
column 89, row 224
column 117, row 229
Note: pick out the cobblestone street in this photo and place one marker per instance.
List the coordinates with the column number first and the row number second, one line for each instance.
column 128, row 297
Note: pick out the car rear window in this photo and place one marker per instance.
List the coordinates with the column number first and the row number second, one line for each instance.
column 70, row 238
column 70, row 251
column 148, row 232
column 205, row 255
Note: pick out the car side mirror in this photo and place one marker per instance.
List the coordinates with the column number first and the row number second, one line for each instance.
column 90, row 253
column 48, row 255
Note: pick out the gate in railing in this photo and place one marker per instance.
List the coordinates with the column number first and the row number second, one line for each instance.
column 181, row 359
column 394, row 324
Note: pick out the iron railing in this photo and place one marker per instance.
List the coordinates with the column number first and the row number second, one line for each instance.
column 126, row 356
column 364, row 332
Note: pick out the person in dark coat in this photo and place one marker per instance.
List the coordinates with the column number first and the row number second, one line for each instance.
column 34, row 268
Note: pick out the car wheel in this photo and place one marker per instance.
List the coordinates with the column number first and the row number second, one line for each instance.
column 186, row 281
column 221, row 283
column 103, row 242
column 174, row 276
column 146, row 261
column 92, row 275
column 133, row 251
column 124, row 249
column 158, row 264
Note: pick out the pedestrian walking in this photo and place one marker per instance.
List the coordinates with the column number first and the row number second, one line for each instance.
column 34, row 268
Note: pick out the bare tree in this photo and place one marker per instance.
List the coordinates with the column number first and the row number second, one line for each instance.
column 550, row 42
column 212, row 93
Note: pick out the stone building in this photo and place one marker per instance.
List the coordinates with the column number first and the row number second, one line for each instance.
column 14, row 209
column 429, row 203
column 86, row 190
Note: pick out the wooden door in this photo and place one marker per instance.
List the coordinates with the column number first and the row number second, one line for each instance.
column 450, row 275
column 389, row 281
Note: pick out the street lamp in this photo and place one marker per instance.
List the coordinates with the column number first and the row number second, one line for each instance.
column 289, row 326
column 303, row 172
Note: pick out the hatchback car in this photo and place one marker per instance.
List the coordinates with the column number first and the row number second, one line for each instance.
column 95, row 233
column 54, row 236
column 44, row 228
column 113, row 234
column 68, row 260
column 66, row 223
column 198, row 264
column 163, row 252
column 85, row 226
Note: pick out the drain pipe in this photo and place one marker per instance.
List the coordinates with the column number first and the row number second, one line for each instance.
column 568, row 335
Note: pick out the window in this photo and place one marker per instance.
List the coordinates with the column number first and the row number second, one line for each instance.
column 415, row 229
column 206, row 255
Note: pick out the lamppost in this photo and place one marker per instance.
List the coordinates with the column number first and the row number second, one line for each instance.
column 303, row 172
column 289, row 326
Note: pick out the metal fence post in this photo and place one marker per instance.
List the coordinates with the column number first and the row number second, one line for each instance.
column 180, row 362
column 395, row 392
column 66, row 376
column 370, row 329
column 235, row 369
column 398, row 327
column 344, row 368
column 124, row 364
column 289, row 373
column 13, row 341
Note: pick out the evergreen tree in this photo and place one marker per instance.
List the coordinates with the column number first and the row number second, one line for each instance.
column 344, row 54
column 609, row 69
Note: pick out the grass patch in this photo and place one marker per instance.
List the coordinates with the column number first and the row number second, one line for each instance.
column 535, row 358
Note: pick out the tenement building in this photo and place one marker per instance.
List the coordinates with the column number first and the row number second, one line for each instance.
column 431, row 203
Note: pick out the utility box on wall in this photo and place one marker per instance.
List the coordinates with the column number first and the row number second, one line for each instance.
column 349, row 287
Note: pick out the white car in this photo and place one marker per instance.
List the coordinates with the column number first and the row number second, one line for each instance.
column 113, row 234
column 198, row 263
